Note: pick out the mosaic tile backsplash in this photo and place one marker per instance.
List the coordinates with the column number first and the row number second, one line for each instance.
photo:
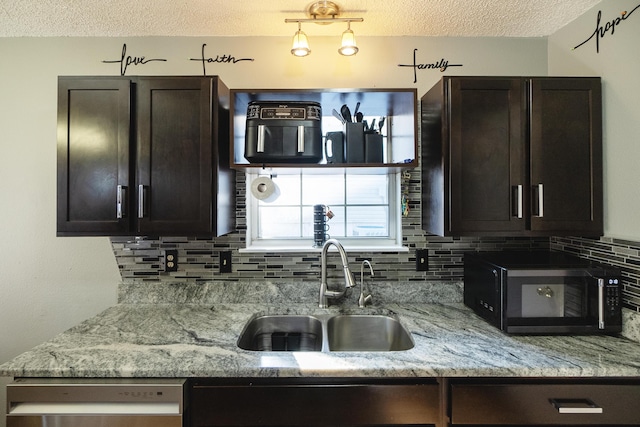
column 621, row 253
column 142, row 260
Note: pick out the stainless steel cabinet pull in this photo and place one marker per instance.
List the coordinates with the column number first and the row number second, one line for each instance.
column 260, row 143
column 540, row 201
column 140, row 201
column 300, row 139
column 517, row 212
column 121, row 202
column 576, row 406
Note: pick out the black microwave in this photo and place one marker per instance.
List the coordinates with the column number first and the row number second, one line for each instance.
column 543, row 292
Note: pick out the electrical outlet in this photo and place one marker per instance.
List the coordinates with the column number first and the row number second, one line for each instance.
column 225, row 262
column 422, row 260
column 170, row 260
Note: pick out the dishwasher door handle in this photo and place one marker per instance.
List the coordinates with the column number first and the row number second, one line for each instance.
column 95, row 408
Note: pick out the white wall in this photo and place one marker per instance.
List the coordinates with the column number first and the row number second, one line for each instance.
column 618, row 63
column 48, row 284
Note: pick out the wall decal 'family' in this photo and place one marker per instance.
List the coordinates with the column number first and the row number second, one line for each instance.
column 441, row 65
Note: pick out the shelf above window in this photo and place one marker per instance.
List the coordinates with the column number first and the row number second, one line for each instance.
column 398, row 107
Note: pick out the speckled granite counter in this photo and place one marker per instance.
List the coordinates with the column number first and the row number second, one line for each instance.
column 199, row 340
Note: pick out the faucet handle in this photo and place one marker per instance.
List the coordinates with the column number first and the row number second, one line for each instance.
column 364, row 300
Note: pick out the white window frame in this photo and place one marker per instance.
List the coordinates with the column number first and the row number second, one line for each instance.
column 393, row 243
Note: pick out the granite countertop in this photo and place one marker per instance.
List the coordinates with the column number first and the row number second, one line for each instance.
column 199, row 340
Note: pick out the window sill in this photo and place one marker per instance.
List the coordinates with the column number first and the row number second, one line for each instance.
column 306, row 247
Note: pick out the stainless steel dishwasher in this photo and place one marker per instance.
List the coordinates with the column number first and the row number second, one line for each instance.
column 44, row 402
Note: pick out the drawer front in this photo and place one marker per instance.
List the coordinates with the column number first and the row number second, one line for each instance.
column 314, row 405
column 545, row 404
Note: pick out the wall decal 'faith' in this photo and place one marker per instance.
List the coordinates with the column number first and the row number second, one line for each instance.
column 224, row 59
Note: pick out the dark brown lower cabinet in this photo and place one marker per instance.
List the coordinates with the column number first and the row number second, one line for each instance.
column 437, row 402
column 545, row 403
column 287, row 402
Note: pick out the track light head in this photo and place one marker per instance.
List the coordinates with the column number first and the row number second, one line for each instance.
column 300, row 45
column 348, row 45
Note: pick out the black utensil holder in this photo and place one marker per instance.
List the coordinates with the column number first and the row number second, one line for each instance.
column 354, row 142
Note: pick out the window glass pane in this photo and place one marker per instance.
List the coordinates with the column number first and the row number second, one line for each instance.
column 367, row 221
column 367, row 189
column 278, row 222
column 288, row 190
column 322, row 190
column 360, row 205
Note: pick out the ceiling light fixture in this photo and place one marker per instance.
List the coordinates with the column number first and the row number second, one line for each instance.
column 300, row 43
column 324, row 12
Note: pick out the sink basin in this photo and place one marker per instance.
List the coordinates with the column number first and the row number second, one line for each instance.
column 325, row 332
column 282, row 333
column 355, row 332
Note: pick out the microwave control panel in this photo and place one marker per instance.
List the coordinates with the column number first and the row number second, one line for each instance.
column 611, row 298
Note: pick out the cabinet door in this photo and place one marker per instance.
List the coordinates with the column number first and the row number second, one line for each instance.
column 487, row 156
column 566, row 156
column 93, row 156
column 174, row 164
column 577, row 404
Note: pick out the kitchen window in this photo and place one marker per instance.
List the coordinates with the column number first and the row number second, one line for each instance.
column 365, row 207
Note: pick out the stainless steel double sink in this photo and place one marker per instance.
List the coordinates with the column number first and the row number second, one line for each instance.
column 337, row 332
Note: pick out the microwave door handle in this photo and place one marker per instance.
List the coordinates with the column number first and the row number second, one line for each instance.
column 601, row 323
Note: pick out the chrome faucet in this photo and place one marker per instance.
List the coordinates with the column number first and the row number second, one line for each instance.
column 364, row 299
column 349, row 282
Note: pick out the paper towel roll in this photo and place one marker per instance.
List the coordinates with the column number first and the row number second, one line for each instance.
column 263, row 188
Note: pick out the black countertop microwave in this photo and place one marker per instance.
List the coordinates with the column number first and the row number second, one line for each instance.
column 543, row 292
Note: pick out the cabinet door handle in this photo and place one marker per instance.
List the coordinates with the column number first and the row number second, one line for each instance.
column 517, row 208
column 300, row 139
column 540, row 189
column 576, row 406
column 260, row 143
column 121, row 202
column 141, row 189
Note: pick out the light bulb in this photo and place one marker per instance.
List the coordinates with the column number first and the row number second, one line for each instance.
column 348, row 46
column 300, row 44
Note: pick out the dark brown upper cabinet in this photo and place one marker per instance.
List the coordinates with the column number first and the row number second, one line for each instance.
column 144, row 156
column 512, row 156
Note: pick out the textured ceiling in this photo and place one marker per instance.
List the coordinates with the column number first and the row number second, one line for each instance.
column 130, row 18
